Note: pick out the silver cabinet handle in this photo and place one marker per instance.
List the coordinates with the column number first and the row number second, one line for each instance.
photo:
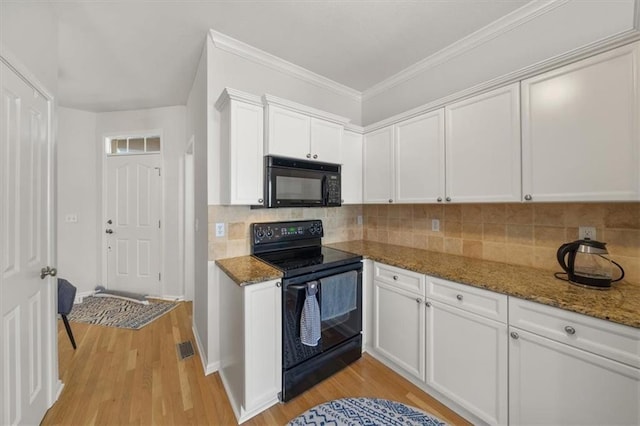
column 439, row 199
column 427, row 304
column 109, row 231
column 308, row 155
column 514, row 335
column 260, row 200
column 48, row 271
column 315, row 156
column 395, row 278
column 390, row 200
column 278, row 284
column 448, row 199
column 459, row 296
column 528, row 197
column 570, row 330
column 418, row 300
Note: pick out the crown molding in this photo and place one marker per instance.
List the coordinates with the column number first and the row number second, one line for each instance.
column 354, row 128
column 303, row 109
column 583, row 52
column 495, row 29
column 229, row 94
column 246, row 51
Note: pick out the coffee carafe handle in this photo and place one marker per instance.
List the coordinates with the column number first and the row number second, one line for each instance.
column 621, row 272
column 562, row 254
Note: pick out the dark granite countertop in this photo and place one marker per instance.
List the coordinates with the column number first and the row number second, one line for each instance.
column 620, row 304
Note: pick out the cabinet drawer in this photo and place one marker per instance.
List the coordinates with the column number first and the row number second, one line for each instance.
column 400, row 278
column 472, row 299
column 614, row 341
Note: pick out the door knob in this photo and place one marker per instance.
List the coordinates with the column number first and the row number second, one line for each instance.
column 109, row 222
column 109, row 231
column 48, row 271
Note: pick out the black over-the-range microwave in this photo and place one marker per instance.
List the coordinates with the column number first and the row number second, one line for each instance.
column 291, row 182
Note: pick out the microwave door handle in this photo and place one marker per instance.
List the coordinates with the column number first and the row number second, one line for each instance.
column 325, row 190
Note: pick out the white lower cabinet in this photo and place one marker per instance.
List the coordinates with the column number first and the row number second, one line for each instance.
column 250, row 344
column 467, row 360
column 554, row 381
column 399, row 314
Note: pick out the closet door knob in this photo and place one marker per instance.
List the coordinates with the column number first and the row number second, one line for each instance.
column 528, row 197
column 515, row 335
column 570, row 330
column 459, row 297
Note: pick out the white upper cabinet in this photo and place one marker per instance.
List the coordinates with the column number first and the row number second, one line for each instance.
column 326, row 141
column 483, row 147
column 299, row 131
column 419, row 158
column 241, row 148
column 378, row 166
column 289, row 133
column 351, row 168
column 580, row 131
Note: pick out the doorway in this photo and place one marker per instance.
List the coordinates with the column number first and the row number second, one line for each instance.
column 189, row 222
column 133, row 218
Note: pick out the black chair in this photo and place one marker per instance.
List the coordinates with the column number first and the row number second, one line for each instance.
column 66, row 296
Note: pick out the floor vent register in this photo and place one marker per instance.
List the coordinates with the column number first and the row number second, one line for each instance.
column 185, row 350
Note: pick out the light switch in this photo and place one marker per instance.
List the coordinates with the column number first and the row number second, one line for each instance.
column 435, row 225
column 219, row 229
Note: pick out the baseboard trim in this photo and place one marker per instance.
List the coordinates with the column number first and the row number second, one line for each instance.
column 207, row 368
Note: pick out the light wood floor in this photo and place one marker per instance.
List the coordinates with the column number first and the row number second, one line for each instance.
column 121, row 377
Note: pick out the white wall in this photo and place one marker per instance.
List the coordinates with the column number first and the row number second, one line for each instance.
column 205, row 312
column 171, row 121
column 29, row 31
column 571, row 25
column 77, row 194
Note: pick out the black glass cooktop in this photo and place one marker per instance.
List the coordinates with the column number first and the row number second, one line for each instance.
column 305, row 260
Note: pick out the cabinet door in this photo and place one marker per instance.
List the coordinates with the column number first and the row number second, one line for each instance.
column 378, row 166
column 399, row 328
column 289, row 133
column 326, row 141
column 262, row 344
column 467, row 360
column 351, row 168
column 580, row 130
column 551, row 383
column 246, row 162
column 483, row 147
column 419, row 158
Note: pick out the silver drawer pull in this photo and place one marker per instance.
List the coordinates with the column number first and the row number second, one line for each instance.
column 459, row 297
column 395, row 278
column 570, row 330
column 418, row 300
column 514, row 335
column 428, row 304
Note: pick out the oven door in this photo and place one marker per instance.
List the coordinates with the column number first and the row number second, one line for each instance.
column 340, row 327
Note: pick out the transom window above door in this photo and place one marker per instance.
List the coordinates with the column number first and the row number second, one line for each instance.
column 130, row 145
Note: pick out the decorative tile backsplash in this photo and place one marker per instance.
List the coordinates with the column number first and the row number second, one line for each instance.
column 340, row 224
column 521, row 234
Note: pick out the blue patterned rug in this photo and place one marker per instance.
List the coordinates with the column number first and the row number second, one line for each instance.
column 364, row 411
column 120, row 313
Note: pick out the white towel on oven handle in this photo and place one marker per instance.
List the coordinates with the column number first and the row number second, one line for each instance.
column 310, row 317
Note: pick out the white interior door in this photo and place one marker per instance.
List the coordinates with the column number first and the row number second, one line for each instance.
column 132, row 223
column 29, row 349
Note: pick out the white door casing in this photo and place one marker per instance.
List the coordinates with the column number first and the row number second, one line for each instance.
column 133, row 204
column 28, row 371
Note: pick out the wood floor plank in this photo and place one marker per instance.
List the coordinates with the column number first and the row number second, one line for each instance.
column 135, row 377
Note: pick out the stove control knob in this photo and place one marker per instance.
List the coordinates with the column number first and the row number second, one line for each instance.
column 269, row 233
column 312, row 230
column 260, row 234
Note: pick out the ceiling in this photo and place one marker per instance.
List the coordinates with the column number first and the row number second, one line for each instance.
column 135, row 54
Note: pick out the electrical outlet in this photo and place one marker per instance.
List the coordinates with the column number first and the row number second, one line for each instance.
column 587, row 232
column 435, row 225
column 219, row 229
column 359, row 220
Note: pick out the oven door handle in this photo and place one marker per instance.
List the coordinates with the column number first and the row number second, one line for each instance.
column 298, row 287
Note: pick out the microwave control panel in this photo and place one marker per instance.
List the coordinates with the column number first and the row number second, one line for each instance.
column 333, row 190
column 273, row 232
